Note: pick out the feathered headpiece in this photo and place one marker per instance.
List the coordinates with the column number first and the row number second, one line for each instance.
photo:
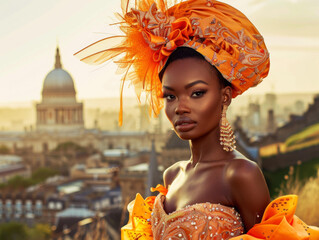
column 152, row 31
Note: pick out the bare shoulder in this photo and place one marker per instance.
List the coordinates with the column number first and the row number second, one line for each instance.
column 171, row 172
column 242, row 169
column 249, row 191
column 243, row 174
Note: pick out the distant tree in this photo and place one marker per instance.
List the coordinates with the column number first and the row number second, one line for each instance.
column 39, row 232
column 18, row 231
column 73, row 150
column 4, row 149
column 69, row 146
column 41, row 174
column 13, row 231
column 19, row 182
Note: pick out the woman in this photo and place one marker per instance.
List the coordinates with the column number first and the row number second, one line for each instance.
column 197, row 55
column 195, row 95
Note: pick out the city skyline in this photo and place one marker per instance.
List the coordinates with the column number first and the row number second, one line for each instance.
column 33, row 29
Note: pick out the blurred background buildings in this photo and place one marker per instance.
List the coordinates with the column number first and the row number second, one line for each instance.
column 67, row 164
column 67, row 171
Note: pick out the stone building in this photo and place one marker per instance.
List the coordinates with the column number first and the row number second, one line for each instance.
column 275, row 150
column 22, row 207
column 59, row 109
column 11, row 166
column 271, row 125
column 59, row 119
column 295, row 124
column 139, row 178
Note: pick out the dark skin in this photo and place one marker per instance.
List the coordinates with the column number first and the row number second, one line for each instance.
column 194, row 99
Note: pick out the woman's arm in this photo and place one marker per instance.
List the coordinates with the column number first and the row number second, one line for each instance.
column 249, row 190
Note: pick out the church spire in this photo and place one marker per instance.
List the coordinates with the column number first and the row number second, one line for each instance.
column 58, row 58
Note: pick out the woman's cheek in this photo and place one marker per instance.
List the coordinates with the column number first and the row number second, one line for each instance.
column 168, row 112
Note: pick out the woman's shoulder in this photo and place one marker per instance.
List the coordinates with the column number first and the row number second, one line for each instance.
column 244, row 175
column 241, row 167
column 171, row 172
column 248, row 189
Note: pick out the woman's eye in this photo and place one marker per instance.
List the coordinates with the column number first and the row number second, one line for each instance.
column 198, row 93
column 169, row 97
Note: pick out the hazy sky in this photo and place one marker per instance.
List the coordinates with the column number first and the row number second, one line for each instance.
column 30, row 30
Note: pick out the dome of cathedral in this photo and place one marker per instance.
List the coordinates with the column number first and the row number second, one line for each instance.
column 58, row 80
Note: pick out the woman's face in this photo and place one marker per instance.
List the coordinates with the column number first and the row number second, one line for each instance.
column 193, row 97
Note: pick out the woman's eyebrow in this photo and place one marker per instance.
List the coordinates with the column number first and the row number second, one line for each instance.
column 194, row 83
column 188, row 85
column 168, row 88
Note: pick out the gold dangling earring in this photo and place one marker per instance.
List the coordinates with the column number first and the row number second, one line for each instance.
column 227, row 137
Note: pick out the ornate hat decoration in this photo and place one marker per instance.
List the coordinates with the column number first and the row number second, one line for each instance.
column 152, row 31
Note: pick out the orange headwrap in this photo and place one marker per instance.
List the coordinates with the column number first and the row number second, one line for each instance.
column 152, row 31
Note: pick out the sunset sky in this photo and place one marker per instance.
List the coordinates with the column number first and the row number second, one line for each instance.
column 30, row 30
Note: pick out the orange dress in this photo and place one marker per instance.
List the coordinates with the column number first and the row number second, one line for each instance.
column 149, row 221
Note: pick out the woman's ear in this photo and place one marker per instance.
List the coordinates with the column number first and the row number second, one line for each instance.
column 227, row 95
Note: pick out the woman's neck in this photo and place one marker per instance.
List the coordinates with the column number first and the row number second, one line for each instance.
column 207, row 148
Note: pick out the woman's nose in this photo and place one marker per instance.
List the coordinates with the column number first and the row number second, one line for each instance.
column 182, row 107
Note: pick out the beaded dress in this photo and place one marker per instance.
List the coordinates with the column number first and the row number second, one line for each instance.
column 149, row 221
column 198, row 221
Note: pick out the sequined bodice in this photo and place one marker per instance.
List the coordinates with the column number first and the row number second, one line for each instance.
column 198, row 221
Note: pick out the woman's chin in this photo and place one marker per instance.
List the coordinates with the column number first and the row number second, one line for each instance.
column 184, row 135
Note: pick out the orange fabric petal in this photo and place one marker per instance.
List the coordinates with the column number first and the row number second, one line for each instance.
column 313, row 233
column 139, row 225
column 279, row 222
column 160, row 188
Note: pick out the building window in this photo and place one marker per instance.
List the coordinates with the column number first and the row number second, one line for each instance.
column 28, row 207
column 58, row 205
column 57, row 116
column 8, row 208
column 38, row 208
column 18, row 208
column 51, row 205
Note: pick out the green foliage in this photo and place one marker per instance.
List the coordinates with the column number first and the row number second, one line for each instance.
column 38, row 176
column 309, row 134
column 39, row 232
column 13, row 231
column 41, row 174
column 69, row 146
column 19, row 182
column 18, row 231
column 71, row 150
column 4, row 149
column 302, row 172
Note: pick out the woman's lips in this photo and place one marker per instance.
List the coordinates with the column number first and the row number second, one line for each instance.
column 184, row 124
